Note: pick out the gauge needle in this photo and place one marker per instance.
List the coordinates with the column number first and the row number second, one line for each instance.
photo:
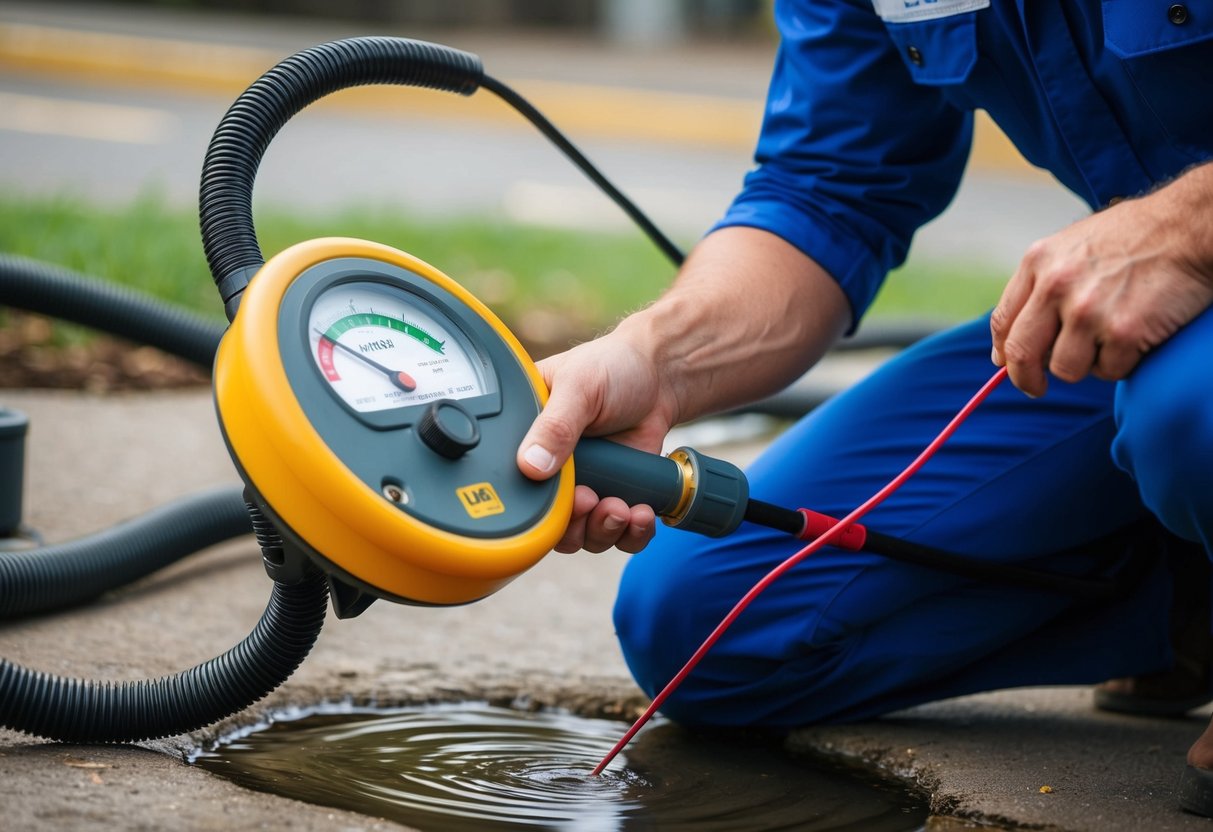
column 399, row 378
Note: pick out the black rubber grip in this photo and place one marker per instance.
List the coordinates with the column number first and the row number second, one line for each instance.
column 636, row 477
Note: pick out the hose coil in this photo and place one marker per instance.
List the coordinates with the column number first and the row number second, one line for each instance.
column 77, row 710
column 67, row 574
column 244, row 133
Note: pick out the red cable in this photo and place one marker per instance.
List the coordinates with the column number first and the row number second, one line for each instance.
column 873, row 501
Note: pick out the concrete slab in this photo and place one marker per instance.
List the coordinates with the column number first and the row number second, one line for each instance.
column 987, row 758
column 95, row 460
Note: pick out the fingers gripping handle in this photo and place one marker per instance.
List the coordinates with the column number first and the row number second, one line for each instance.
column 689, row 490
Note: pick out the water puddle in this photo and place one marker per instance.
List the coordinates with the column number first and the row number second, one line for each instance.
column 457, row 768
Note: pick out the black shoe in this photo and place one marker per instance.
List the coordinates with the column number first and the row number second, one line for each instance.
column 1196, row 791
column 1189, row 684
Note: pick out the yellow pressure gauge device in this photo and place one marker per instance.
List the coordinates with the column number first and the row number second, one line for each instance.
column 375, row 407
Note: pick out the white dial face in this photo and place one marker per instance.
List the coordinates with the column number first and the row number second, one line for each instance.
column 379, row 347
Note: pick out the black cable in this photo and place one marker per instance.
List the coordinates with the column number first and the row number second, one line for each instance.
column 895, row 548
column 775, row 517
column 1091, row 588
column 509, row 96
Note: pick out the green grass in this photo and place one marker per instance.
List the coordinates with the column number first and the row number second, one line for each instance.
column 550, row 285
column 944, row 290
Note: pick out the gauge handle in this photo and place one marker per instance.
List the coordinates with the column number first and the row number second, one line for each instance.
column 687, row 489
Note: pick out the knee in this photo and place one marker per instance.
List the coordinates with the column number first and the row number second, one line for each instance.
column 1165, row 443
column 658, row 612
column 673, row 595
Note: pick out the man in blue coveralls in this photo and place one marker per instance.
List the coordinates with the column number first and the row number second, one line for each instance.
column 1105, row 327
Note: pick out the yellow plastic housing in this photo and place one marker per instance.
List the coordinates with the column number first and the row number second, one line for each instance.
column 316, row 495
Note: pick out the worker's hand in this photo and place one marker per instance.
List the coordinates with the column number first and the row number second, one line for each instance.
column 608, row 387
column 747, row 314
column 1097, row 296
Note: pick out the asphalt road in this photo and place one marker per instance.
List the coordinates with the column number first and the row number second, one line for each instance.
column 113, row 144
column 114, row 134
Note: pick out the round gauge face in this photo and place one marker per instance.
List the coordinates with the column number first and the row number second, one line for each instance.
column 380, row 347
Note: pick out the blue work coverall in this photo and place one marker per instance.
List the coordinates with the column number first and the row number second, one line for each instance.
column 867, row 129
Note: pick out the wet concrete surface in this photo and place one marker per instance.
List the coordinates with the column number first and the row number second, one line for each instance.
column 544, row 640
column 93, row 461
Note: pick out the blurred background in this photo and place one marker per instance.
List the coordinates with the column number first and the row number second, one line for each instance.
column 106, row 110
column 622, row 21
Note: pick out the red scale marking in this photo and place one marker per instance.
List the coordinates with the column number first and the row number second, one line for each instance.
column 324, row 354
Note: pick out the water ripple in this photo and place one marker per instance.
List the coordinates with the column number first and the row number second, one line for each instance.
column 451, row 768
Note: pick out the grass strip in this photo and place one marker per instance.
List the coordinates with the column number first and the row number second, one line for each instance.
column 553, row 287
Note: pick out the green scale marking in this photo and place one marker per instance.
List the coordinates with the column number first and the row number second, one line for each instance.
column 343, row 325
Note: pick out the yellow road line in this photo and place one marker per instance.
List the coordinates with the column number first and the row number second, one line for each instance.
column 84, row 119
column 581, row 110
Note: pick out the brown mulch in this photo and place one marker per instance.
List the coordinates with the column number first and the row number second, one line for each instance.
column 32, row 357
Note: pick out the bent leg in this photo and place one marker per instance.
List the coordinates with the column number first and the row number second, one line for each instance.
column 1164, row 412
column 849, row 635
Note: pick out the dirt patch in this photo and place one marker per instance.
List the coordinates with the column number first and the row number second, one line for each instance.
column 34, row 356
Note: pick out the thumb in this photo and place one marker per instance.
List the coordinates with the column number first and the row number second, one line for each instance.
column 552, row 437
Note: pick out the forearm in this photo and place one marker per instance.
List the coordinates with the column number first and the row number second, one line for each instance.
column 1187, row 212
column 748, row 314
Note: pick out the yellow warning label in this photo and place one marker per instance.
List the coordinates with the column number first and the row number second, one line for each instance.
column 480, row 500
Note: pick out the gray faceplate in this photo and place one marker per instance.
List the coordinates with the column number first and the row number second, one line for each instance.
column 383, row 447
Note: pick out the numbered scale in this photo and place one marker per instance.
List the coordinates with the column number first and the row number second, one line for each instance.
column 375, row 407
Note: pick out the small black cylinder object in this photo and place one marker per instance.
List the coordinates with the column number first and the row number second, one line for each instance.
column 448, row 430
column 13, row 426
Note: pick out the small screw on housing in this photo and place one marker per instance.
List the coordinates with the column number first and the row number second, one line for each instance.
column 395, row 493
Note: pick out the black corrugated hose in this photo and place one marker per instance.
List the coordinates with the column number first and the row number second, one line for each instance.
column 244, row 133
column 240, row 141
column 77, row 710
column 67, row 574
column 64, row 294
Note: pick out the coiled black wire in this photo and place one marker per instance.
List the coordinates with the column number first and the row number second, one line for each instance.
column 51, row 290
column 78, row 710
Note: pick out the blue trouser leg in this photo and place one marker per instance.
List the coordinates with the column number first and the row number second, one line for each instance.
column 1164, row 412
column 850, row 635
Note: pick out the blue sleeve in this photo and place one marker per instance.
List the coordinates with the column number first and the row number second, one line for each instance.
column 853, row 156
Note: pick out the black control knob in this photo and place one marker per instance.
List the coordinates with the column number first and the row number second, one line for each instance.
column 447, row 429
